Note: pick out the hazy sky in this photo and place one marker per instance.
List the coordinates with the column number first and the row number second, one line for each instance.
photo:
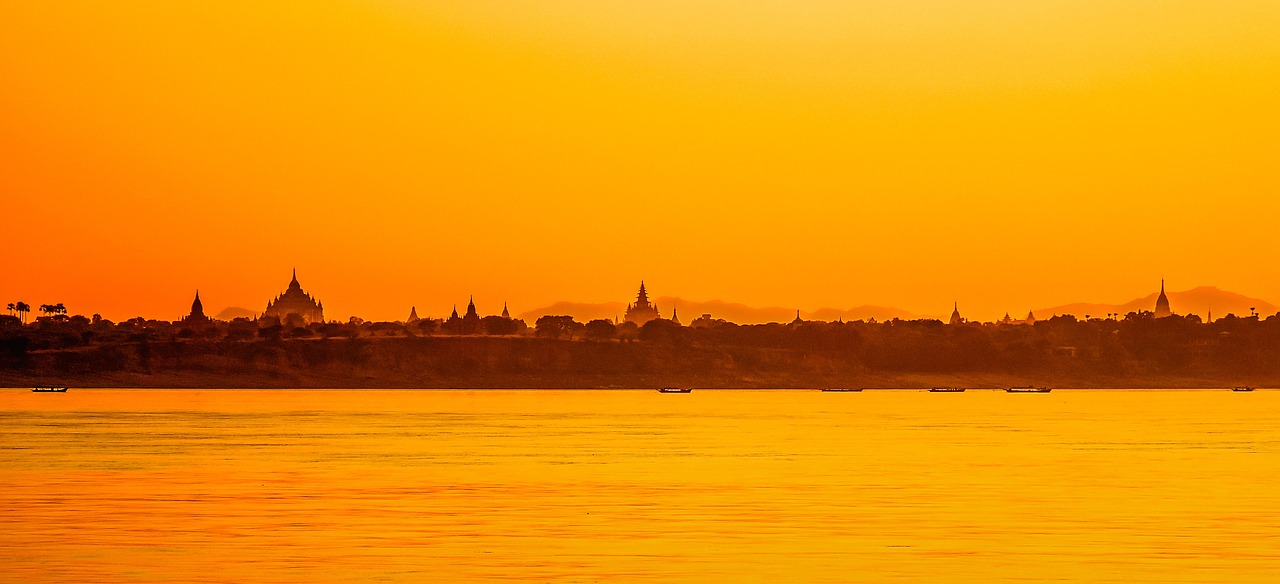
column 1008, row 154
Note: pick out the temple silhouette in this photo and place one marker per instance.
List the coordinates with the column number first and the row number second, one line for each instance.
column 1162, row 303
column 642, row 310
column 197, row 316
column 295, row 307
column 468, row 324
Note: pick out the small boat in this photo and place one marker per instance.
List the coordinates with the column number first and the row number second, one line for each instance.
column 1028, row 389
column 1242, row 388
column 49, row 390
column 840, row 389
column 675, row 390
column 946, row 390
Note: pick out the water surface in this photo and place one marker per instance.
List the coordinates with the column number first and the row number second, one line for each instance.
column 609, row 486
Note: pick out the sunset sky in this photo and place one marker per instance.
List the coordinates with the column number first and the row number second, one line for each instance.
column 1006, row 154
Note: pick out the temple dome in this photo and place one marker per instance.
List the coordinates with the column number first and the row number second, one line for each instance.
column 296, row 305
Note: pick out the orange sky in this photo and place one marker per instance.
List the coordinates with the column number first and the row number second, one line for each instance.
column 1007, row 154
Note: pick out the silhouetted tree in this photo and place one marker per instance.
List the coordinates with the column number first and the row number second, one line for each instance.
column 270, row 333
column 301, row 333
column 555, row 327
column 601, row 330
column 661, row 330
column 426, row 326
column 628, row 331
column 497, row 325
column 241, row 329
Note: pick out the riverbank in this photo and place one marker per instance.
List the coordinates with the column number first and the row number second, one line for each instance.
column 533, row 363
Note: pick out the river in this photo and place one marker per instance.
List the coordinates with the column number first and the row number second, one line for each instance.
column 614, row 486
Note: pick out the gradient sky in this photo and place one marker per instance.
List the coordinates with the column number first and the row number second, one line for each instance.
column 1008, row 154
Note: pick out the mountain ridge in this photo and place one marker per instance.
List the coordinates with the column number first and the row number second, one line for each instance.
column 1199, row 300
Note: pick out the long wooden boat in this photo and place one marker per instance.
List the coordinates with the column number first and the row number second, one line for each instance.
column 675, row 390
column 1028, row 389
column 1242, row 388
column 946, row 390
column 49, row 390
column 840, row 389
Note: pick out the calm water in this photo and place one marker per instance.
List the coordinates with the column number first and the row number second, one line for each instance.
column 608, row 486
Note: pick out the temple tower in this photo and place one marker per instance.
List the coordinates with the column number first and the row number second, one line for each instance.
column 642, row 310
column 1162, row 303
column 295, row 305
column 197, row 309
column 197, row 315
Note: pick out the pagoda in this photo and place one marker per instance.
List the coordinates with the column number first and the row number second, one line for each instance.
column 197, row 316
column 642, row 310
column 295, row 305
column 1162, row 303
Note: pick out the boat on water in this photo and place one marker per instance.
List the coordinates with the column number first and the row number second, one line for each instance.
column 840, row 389
column 1028, row 389
column 946, row 390
column 49, row 390
column 675, row 390
column 1242, row 388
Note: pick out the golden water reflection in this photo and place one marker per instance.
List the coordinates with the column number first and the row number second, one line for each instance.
column 608, row 486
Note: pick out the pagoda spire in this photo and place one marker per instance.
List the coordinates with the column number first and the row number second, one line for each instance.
column 1162, row 303
column 197, row 307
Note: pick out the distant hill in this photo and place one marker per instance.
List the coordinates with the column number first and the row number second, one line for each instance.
column 730, row 311
column 234, row 312
column 580, row 311
column 1194, row 301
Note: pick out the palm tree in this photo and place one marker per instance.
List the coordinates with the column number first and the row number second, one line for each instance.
column 23, row 308
column 59, row 309
column 11, row 307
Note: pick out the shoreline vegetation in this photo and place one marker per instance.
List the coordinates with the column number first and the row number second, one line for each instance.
column 1138, row 351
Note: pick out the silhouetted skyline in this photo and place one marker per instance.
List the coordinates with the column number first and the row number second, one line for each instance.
column 300, row 308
